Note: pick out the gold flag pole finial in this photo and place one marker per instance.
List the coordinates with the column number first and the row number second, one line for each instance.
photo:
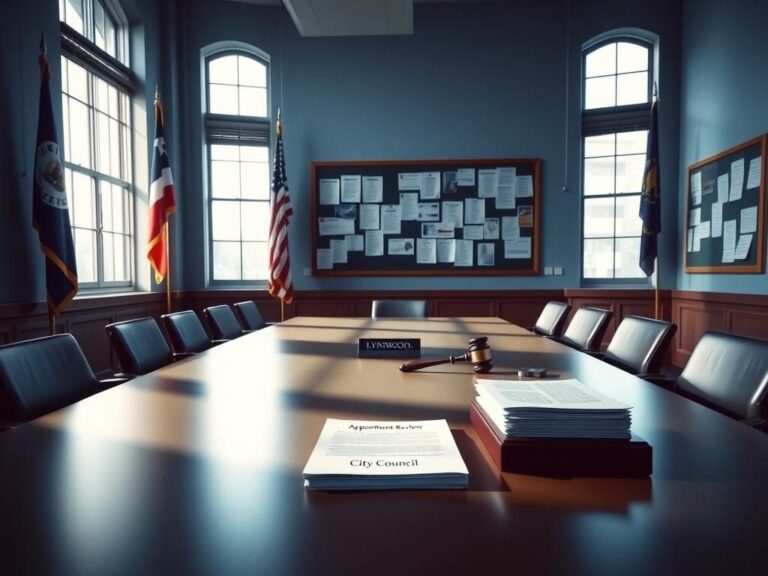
column 157, row 91
column 279, row 124
column 655, row 90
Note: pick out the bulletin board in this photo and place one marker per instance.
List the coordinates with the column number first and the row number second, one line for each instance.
column 725, row 211
column 426, row 217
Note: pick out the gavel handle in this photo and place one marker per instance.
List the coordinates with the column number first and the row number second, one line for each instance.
column 414, row 365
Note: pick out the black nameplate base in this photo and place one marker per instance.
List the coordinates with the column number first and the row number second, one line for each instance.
column 389, row 348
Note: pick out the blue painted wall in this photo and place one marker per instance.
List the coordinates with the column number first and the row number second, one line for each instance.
column 475, row 80
column 724, row 95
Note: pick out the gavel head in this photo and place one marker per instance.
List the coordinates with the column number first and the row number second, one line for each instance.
column 479, row 355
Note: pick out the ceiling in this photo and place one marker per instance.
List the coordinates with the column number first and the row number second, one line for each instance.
column 349, row 17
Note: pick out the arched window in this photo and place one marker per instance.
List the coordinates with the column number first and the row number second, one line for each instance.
column 617, row 87
column 96, row 135
column 237, row 131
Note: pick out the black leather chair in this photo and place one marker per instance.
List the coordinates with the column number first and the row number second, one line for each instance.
column 639, row 344
column 186, row 332
column 730, row 374
column 586, row 329
column 42, row 375
column 139, row 345
column 249, row 315
column 552, row 319
column 222, row 322
column 399, row 309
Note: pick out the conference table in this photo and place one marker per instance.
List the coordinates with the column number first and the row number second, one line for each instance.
column 196, row 468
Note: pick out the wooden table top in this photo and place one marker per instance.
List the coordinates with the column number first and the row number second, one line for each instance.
column 196, row 469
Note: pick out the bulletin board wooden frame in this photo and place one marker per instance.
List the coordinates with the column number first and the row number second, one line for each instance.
column 709, row 258
column 397, row 265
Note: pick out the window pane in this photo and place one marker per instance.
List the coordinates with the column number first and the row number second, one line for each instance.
column 99, row 37
column 114, row 109
column 255, row 224
column 226, row 220
column 223, row 152
column 255, row 179
column 600, row 92
column 598, row 258
column 102, row 96
column 79, row 145
column 252, row 72
column 105, row 189
column 110, row 35
column 225, row 179
column 226, row 261
column 598, row 217
column 599, row 176
column 632, row 88
column 628, row 258
column 253, row 102
column 632, row 57
column 254, row 154
column 77, row 81
column 102, row 144
column 628, row 221
column 629, row 173
column 632, row 142
column 602, row 61
column 114, row 149
column 119, row 217
column 223, row 99
column 73, row 14
column 255, row 256
column 122, row 273
column 83, row 192
column 603, row 145
column 85, row 254
column 223, row 70
column 109, row 257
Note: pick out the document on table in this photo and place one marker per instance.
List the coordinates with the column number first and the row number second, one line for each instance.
column 382, row 455
column 558, row 408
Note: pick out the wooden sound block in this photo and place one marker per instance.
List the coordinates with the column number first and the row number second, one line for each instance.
column 563, row 457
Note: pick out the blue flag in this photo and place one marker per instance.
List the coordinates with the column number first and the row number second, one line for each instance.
column 50, row 212
column 650, row 200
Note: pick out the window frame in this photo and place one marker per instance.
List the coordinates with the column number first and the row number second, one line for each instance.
column 612, row 120
column 228, row 129
column 97, row 63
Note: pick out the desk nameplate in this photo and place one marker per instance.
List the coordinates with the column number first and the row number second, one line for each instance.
column 389, row 348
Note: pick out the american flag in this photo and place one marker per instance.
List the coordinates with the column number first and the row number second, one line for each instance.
column 161, row 200
column 280, row 282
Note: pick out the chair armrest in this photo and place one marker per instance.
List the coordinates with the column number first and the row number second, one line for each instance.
column 119, row 378
column 181, row 355
column 664, row 380
column 757, row 422
column 217, row 342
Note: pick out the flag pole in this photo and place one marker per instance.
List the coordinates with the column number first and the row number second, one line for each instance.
column 168, row 264
column 657, row 299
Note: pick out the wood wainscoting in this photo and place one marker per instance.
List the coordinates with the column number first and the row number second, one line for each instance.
column 693, row 312
column 696, row 312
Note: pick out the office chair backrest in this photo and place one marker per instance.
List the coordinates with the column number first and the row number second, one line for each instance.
column 42, row 375
column 587, row 328
column 249, row 315
column 639, row 344
column 399, row 309
column 139, row 345
column 728, row 372
column 186, row 332
column 222, row 322
column 551, row 319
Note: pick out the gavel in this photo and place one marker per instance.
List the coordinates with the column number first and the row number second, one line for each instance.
column 479, row 354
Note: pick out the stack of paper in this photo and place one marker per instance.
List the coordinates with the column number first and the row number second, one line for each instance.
column 552, row 409
column 369, row 455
